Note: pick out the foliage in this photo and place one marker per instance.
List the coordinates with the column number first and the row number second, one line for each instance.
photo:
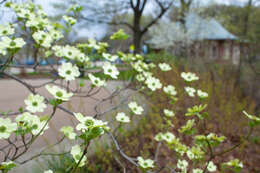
column 220, row 119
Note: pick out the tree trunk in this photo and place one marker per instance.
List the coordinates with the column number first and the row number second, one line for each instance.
column 137, row 31
column 137, row 41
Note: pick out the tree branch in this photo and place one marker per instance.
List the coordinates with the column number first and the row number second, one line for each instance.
column 163, row 11
column 107, row 22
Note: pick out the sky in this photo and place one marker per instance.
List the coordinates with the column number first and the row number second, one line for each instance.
column 47, row 3
column 98, row 31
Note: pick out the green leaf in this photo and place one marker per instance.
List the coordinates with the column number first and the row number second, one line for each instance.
column 119, row 35
column 21, row 109
column 44, row 118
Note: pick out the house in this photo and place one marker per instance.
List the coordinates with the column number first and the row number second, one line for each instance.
column 204, row 37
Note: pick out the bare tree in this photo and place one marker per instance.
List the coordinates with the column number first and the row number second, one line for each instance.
column 184, row 9
column 103, row 13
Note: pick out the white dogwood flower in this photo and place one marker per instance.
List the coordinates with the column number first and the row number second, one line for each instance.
column 147, row 74
column 25, row 13
column 197, row 170
column 140, row 66
column 202, row 94
column 93, row 44
column 111, row 70
column 148, row 163
column 37, row 22
column 168, row 113
column 6, row 30
column 138, row 110
column 96, row 81
column 12, row 43
column 56, row 35
column 6, row 128
column 140, row 77
column 234, row 163
column 190, row 154
column 170, row 90
column 189, row 77
column 151, row 65
column 77, row 154
column 67, row 51
column 48, row 171
column 35, row 103
column 190, row 91
column 68, row 71
column 158, row 137
column 121, row 117
column 168, row 137
column 182, row 164
column 70, row 20
column 211, row 167
column 88, row 123
column 153, row 83
column 81, row 57
column 59, row 93
column 27, row 121
column 68, row 132
column 110, row 57
column 43, row 38
column 164, row 67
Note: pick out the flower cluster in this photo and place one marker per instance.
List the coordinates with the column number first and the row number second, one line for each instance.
column 96, row 81
column 202, row 94
column 70, row 53
column 145, row 164
column 164, row 67
column 10, row 44
column 48, row 171
column 68, row 71
column 111, row 70
column 77, row 154
column 110, row 57
column 121, row 117
column 6, row 30
column 170, row 90
column 68, row 131
column 59, row 93
column 35, row 103
column 211, row 167
column 190, row 91
column 31, row 123
column 168, row 113
column 153, row 83
column 90, row 126
column 6, row 128
column 168, row 137
column 138, row 110
column 235, row 163
column 43, row 38
column 189, row 77
column 70, row 20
